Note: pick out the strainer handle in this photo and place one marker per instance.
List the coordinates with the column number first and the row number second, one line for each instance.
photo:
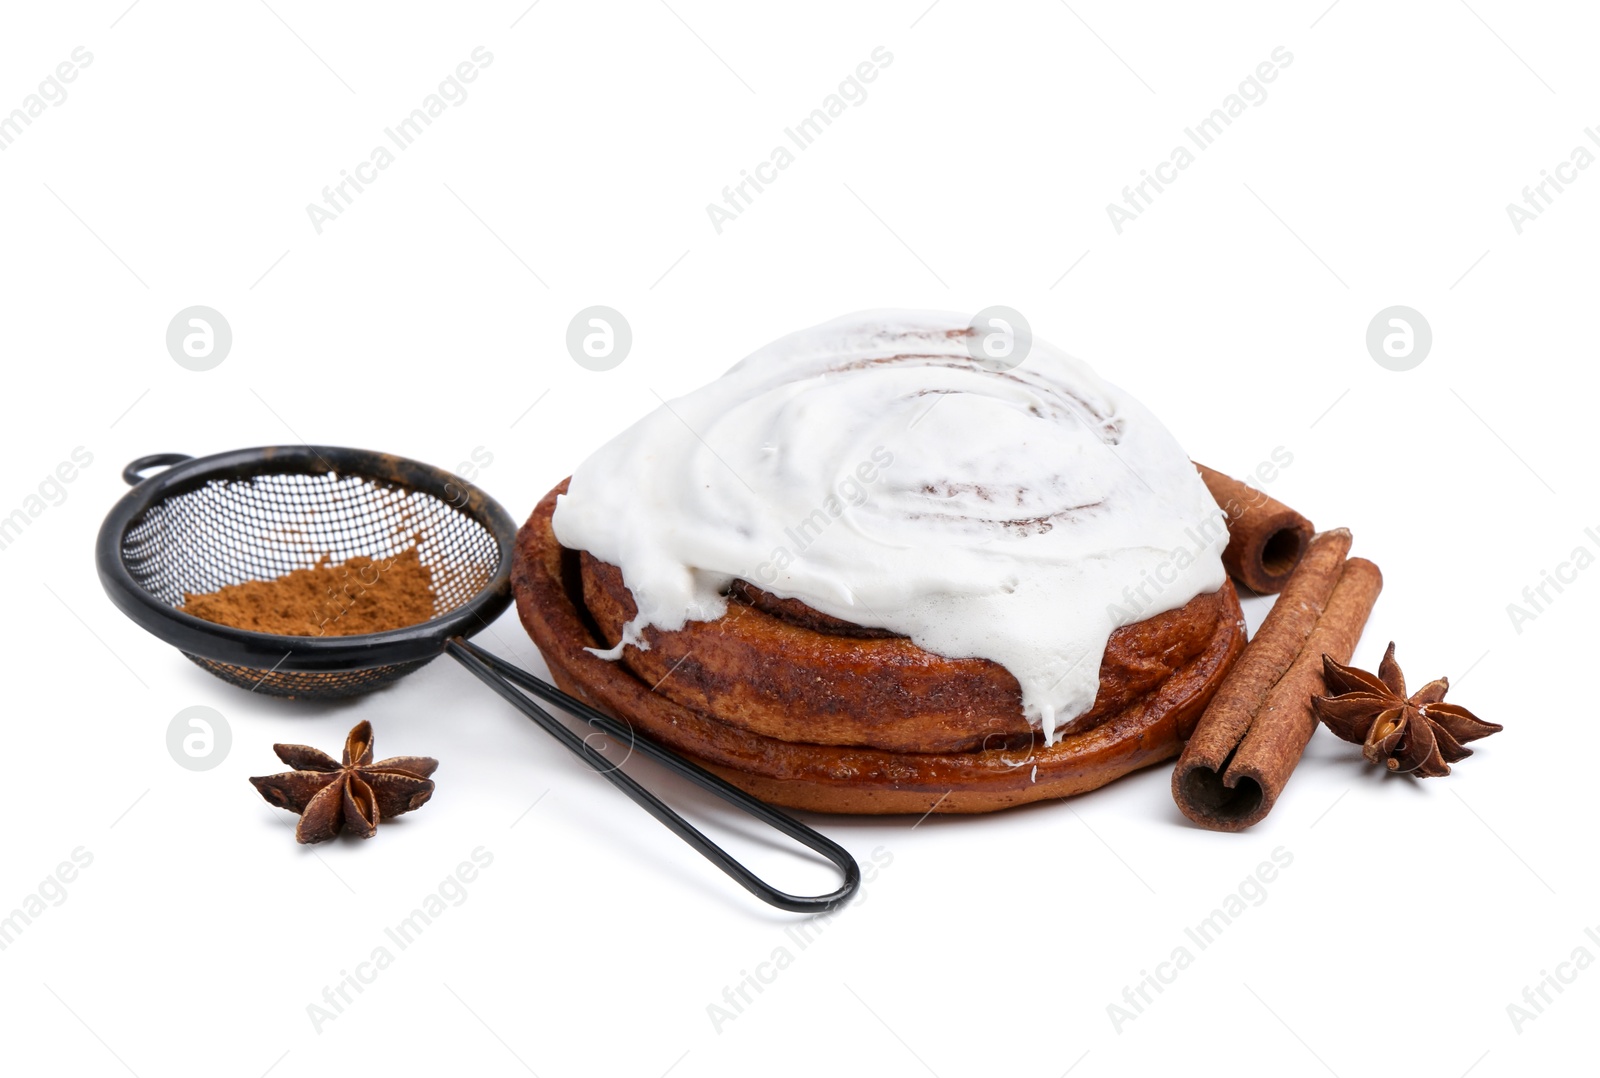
column 131, row 474
column 507, row 679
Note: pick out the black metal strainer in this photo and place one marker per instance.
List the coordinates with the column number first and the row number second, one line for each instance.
column 257, row 514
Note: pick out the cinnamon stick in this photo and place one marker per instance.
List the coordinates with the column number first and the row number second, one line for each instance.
column 1268, row 657
column 1253, row 734
column 1266, row 539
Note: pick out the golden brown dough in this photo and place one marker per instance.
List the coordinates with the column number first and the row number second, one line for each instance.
column 890, row 728
column 766, row 668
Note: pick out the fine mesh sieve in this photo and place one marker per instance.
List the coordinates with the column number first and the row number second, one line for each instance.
column 257, row 514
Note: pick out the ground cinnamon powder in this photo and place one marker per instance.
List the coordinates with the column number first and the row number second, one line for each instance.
column 362, row 595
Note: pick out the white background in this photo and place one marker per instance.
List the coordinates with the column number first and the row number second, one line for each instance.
column 430, row 317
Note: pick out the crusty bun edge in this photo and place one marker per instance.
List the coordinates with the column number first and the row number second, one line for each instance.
column 846, row 779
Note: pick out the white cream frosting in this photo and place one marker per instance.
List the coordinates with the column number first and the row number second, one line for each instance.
column 871, row 468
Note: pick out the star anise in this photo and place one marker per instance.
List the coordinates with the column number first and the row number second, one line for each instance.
column 1419, row 735
column 354, row 795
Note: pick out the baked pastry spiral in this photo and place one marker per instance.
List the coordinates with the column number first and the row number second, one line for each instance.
column 870, row 569
column 892, row 728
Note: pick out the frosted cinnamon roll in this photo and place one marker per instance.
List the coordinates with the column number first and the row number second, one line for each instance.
column 863, row 553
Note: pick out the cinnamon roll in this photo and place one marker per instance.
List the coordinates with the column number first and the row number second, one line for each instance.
column 869, row 571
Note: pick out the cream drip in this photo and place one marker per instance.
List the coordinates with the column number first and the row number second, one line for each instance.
column 871, row 468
